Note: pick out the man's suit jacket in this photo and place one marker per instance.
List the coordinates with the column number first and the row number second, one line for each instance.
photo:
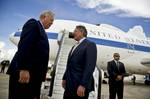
column 33, row 51
column 80, row 66
column 113, row 71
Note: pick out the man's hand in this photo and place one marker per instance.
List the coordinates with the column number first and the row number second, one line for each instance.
column 64, row 83
column 24, row 76
column 81, row 91
column 119, row 77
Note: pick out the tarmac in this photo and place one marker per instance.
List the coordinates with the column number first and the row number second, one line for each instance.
column 138, row 91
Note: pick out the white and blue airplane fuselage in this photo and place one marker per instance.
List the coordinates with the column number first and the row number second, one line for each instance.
column 134, row 51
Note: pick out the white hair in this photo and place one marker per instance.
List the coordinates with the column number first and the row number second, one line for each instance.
column 45, row 13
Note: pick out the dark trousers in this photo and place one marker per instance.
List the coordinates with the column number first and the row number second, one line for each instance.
column 3, row 69
column 24, row 91
column 116, row 89
column 67, row 95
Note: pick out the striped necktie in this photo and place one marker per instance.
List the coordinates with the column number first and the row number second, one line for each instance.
column 117, row 64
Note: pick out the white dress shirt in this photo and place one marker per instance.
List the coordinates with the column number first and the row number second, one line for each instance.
column 77, row 44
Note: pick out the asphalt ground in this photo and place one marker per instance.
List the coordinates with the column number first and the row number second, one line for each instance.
column 138, row 91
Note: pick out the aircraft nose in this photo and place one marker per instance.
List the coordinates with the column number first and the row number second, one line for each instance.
column 14, row 37
column 11, row 37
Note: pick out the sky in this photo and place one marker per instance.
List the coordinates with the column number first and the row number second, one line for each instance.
column 124, row 14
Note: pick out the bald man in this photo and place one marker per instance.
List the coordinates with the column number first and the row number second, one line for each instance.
column 116, row 71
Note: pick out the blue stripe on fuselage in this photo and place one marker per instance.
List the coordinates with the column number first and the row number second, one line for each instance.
column 52, row 35
column 120, row 44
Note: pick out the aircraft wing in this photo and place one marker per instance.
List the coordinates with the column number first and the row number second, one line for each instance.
column 146, row 62
column 140, row 59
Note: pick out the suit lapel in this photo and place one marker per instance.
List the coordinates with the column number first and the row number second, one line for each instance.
column 78, row 47
column 70, row 51
column 42, row 31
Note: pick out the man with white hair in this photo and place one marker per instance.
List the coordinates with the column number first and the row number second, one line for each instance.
column 29, row 65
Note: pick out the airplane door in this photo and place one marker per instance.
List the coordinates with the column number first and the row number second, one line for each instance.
column 130, row 46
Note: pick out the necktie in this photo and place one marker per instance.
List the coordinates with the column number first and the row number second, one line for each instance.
column 118, row 65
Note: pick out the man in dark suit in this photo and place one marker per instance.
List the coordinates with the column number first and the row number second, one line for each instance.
column 78, row 78
column 116, row 71
column 4, row 63
column 29, row 65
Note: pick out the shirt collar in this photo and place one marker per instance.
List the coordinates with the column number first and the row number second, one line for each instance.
column 116, row 61
column 41, row 23
column 81, row 40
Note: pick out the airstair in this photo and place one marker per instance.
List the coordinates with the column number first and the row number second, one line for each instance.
column 56, row 90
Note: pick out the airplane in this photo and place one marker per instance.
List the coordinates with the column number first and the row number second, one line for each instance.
column 2, row 55
column 133, row 47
